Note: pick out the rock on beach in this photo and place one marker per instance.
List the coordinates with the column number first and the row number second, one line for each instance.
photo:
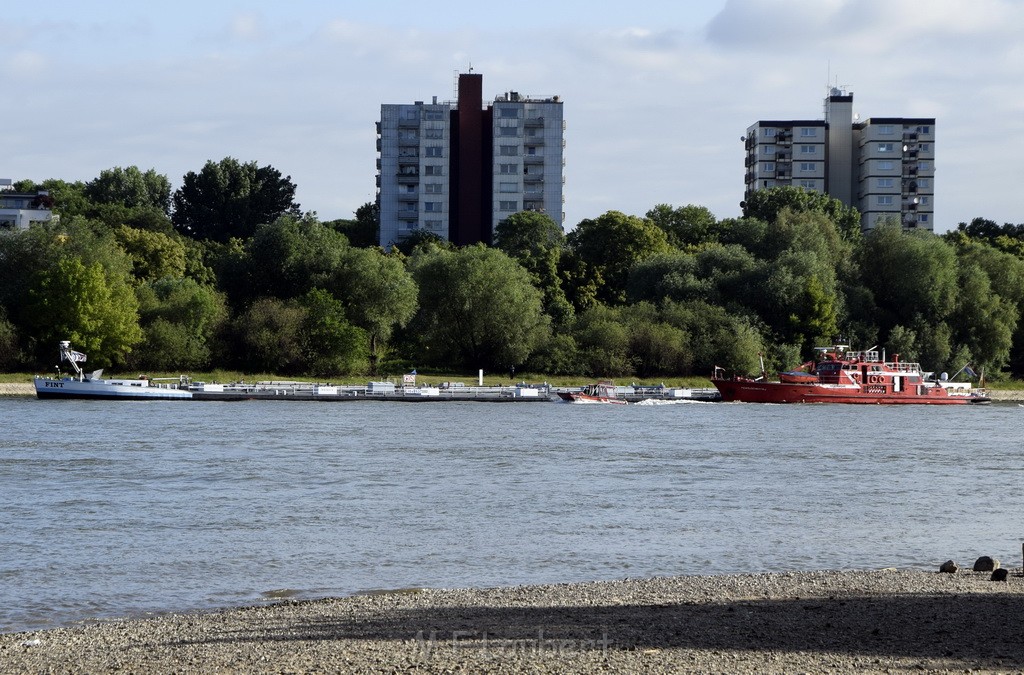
column 871, row 621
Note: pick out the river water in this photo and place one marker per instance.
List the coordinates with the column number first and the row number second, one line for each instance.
column 127, row 508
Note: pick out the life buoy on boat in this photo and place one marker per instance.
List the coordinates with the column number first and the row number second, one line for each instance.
column 875, row 379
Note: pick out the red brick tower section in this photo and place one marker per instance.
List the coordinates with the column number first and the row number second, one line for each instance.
column 470, row 220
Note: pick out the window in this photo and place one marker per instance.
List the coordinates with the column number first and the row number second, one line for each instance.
column 808, row 132
column 434, row 133
column 807, row 166
column 509, row 112
column 885, row 147
column 808, row 149
column 884, row 200
column 885, row 182
column 508, row 187
column 768, row 167
column 885, row 129
column 509, row 169
column 808, row 185
column 531, row 150
column 923, row 166
column 507, row 206
column 769, row 132
column 433, row 170
column 433, row 207
column 508, row 131
column 508, row 150
column 432, row 224
column 885, row 165
column 925, row 129
column 434, row 115
column 767, row 149
column 922, row 217
column 435, row 151
column 925, row 147
column 432, row 188
column 922, row 200
column 923, row 183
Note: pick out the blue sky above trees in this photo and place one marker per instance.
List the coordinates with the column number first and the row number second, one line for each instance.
column 657, row 94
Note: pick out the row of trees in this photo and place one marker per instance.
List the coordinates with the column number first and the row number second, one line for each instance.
column 228, row 271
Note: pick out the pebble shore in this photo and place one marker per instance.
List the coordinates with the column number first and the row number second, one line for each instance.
column 851, row 621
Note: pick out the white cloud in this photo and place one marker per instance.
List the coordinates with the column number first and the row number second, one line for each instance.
column 247, row 26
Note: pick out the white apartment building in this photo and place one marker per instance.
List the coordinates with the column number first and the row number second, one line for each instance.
column 458, row 169
column 884, row 167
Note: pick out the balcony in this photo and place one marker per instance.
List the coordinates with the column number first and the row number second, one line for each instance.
column 534, row 122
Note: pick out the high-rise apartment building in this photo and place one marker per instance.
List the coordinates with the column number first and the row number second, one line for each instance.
column 885, row 166
column 458, row 169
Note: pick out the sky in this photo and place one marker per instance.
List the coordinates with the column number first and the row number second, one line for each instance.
column 656, row 94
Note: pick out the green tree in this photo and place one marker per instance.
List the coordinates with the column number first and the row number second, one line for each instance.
column 153, row 255
column 983, row 322
column 270, row 336
column 610, row 245
column 908, row 273
column 68, row 199
column 95, row 310
column 477, row 308
column 286, row 259
column 131, row 188
column 330, row 344
column 231, row 199
column 716, row 337
column 379, row 295
column 766, row 205
column 536, row 242
column 10, row 349
column 603, row 339
column 656, row 347
column 181, row 320
column 364, row 231
column 689, row 225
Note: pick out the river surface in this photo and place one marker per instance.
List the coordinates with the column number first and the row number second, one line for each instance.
column 112, row 509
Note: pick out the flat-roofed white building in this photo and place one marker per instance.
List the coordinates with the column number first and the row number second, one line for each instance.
column 884, row 167
column 457, row 169
column 18, row 211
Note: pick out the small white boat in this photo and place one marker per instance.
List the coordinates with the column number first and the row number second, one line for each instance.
column 93, row 385
column 602, row 392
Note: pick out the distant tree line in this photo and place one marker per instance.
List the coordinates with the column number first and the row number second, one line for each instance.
column 228, row 272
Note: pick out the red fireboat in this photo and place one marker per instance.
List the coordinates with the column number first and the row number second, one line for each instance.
column 843, row 376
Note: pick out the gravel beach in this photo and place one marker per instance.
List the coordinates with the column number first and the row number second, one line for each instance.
column 876, row 621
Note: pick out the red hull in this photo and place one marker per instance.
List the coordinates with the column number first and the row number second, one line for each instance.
column 778, row 392
column 842, row 376
column 584, row 398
